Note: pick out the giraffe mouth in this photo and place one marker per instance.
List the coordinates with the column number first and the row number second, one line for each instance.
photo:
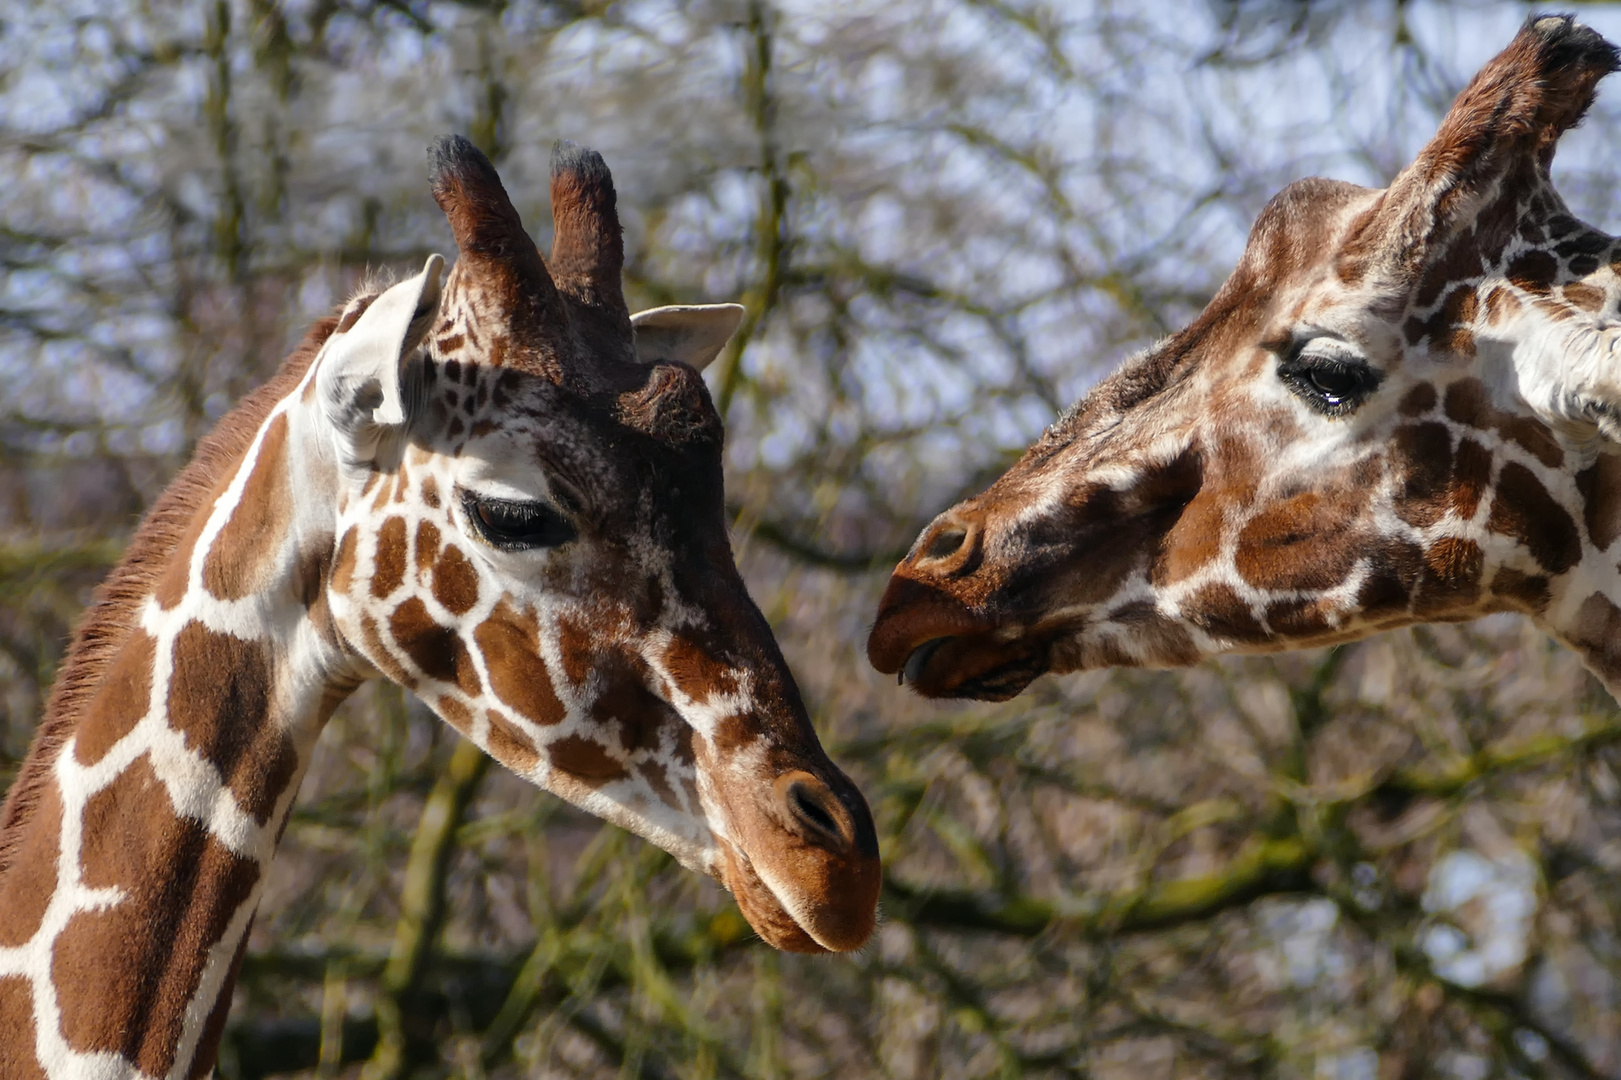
column 974, row 667
column 760, row 906
column 801, row 932
column 803, row 864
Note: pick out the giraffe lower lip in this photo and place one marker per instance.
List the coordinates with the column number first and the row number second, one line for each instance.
column 912, row 670
column 975, row 669
column 1001, row 683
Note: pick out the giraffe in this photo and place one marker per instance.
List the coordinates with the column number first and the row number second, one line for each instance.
column 504, row 495
column 1401, row 407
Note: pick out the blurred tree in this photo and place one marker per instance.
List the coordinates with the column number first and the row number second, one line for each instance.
column 946, row 218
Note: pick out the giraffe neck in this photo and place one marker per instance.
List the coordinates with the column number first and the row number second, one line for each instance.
column 1582, row 607
column 136, row 855
column 1557, row 486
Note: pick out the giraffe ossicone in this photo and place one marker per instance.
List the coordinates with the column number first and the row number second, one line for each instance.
column 504, row 493
column 1403, row 406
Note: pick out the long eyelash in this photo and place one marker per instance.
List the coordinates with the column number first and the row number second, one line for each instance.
column 1296, row 370
column 518, row 515
column 523, row 510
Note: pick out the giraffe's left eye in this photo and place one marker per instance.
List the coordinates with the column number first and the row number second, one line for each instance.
column 517, row 525
column 1332, row 383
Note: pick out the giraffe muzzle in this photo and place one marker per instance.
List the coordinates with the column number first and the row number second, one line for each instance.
column 804, row 864
column 942, row 648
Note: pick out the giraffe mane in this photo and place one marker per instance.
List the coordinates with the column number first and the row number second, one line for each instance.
column 105, row 625
column 372, row 284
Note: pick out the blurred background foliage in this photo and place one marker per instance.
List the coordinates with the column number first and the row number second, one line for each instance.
column 947, row 218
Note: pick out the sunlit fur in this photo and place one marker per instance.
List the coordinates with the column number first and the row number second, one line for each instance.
column 320, row 538
column 1201, row 500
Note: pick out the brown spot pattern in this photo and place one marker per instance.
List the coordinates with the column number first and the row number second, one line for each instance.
column 1459, row 261
column 1600, row 488
column 1471, row 476
column 1195, row 539
column 1584, row 296
column 1422, row 454
column 437, row 650
column 1524, row 592
column 626, row 700
column 120, row 702
column 574, row 643
column 353, row 312
column 1387, row 588
column 1301, row 542
column 219, row 699
column 653, row 772
column 1451, row 577
column 1524, row 510
column 695, row 672
column 1418, row 401
column 244, row 553
column 510, row 645
column 379, row 654
column 1468, row 402
column 147, row 953
column 173, row 585
column 1218, row 610
column 585, row 759
column 30, row 881
column 510, row 746
column 1449, row 327
column 459, row 716
column 17, row 1061
column 1597, row 635
column 380, row 500
column 343, row 567
column 455, row 581
column 1534, row 271
column 734, row 733
column 1501, row 306
column 203, row 1059
column 427, row 549
column 1533, row 436
column 1299, row 618
column 388, row 572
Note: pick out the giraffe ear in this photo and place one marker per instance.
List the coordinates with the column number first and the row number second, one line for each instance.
column 693, row 334
column 359, row 380
column 1495, row 144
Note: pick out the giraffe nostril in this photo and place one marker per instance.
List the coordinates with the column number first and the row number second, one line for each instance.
column 814, row 810
column 808, row 809
column 946, row 542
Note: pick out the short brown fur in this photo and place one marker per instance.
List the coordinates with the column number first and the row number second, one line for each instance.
column 106, row 623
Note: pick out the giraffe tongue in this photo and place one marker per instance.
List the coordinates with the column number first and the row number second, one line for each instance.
column 912, row 670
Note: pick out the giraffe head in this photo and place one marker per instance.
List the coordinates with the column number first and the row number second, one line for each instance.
column 532, row 538
column 1395, row 410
